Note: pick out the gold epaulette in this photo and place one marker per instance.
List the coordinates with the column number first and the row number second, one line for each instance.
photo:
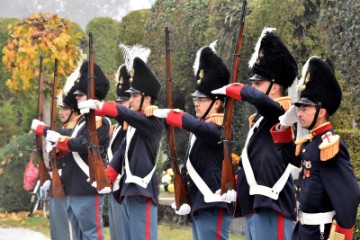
column 251, row 118
column 300, row 142
column 72, row 123
column 329, row 147
column 285, row 102
column 216, row 118
column 235, row 159
column 125, row 126
column 149, row 110
column 112, row 128
column 98, row 120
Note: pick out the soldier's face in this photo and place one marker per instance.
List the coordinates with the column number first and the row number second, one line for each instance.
column 201, row 105
column 134, row 101
column 306, row 115
column 64, row 114
column 261, row 85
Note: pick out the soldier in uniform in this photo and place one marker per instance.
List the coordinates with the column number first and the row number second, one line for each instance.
column 265, row 192
column 210, row 214
column 139, row 183
column 84, row 202
column 116, row 150
column 328, row 193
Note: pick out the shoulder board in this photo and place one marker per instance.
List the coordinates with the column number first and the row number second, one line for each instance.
column 300, row 142
column 235, row 159
column 285, row 102
column 125, row 126
column 216, row 118
column 149, row 110
column 112, row 128
column 329, row 147
column 98, row 120
column 251, row 119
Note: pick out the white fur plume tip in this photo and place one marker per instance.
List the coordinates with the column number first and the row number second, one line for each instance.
column 255, row 55
column 131, row 52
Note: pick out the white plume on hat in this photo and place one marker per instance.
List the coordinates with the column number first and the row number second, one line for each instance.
column 72, row 78
column 304, row 72
column 117, row 74
column 131, row 52
column 198, row 54
column 255, row 54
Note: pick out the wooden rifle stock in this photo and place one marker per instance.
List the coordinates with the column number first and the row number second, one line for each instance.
column 227, row 173
column 96, row 166
column 43, row 173
column 57, row 188
column 180, row 193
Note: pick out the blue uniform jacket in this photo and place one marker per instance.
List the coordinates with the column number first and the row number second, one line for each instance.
column 324, row 185
column 266, row 161
column 206, row 156
column 73, row 178
column 142, row 151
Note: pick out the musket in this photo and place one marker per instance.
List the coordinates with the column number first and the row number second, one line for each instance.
column 227, row 173
column 96, row 166
column 43, row 173
column 180, row 193
column 57, row 188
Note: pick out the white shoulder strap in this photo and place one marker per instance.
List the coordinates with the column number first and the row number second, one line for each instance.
column 109, row 151
column 209, row 196
column 256, row 189
column 130, row 178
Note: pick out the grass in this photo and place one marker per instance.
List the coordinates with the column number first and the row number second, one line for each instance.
column 40, row 224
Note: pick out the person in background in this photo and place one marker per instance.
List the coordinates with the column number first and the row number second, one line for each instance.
column 115, row 152
column 139, row 183
column 328, row 192
column 265, row 191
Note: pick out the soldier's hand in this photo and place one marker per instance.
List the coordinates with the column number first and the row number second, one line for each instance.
column 35, row 123
column 46, row 185
column 183, row 210
column 162, row 113
column 289, row 117
column 90, row 104
column 52, row 136
column 229, row 196
column 231, row 90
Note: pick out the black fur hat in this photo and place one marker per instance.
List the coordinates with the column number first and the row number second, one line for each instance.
column 210, row 72
column 142, row 80
column 122, row 83
column 102, row 84
column 69, row 100
column 318, row 85
column 272, row 60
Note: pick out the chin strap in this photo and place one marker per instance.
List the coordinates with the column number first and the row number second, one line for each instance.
column 318, row 106
column 141, row 102
column 269, row 88
column 68, row 119
column 209, row 108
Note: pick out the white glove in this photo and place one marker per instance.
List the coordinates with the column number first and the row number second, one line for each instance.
column 161, row 113
column 52, row 136
column 229, row 196
column 49, row 146
column 90, row 103
column 46, row 185
column 84, row 111
column 35, row 123
column 166, row 179
column 183, row 210
column 289, row 117
column 220, row 91
column 105, row 190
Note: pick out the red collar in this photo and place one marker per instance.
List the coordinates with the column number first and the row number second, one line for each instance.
column 320, row 129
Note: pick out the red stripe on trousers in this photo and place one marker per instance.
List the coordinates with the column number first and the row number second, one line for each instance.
column 219, row 224
column 148, row 216
column 97, row 214
column 281, row 227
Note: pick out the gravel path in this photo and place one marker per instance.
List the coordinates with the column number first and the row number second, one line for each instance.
column 20, row 234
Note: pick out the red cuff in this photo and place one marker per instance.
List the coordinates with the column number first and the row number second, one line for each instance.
column 62, row 144
column 285, row 136
column 99, row 112
column 40, row 130
column 109, row 109
column 111, row 174
column 346, row 231
column 175, row 119
column 234, row 90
